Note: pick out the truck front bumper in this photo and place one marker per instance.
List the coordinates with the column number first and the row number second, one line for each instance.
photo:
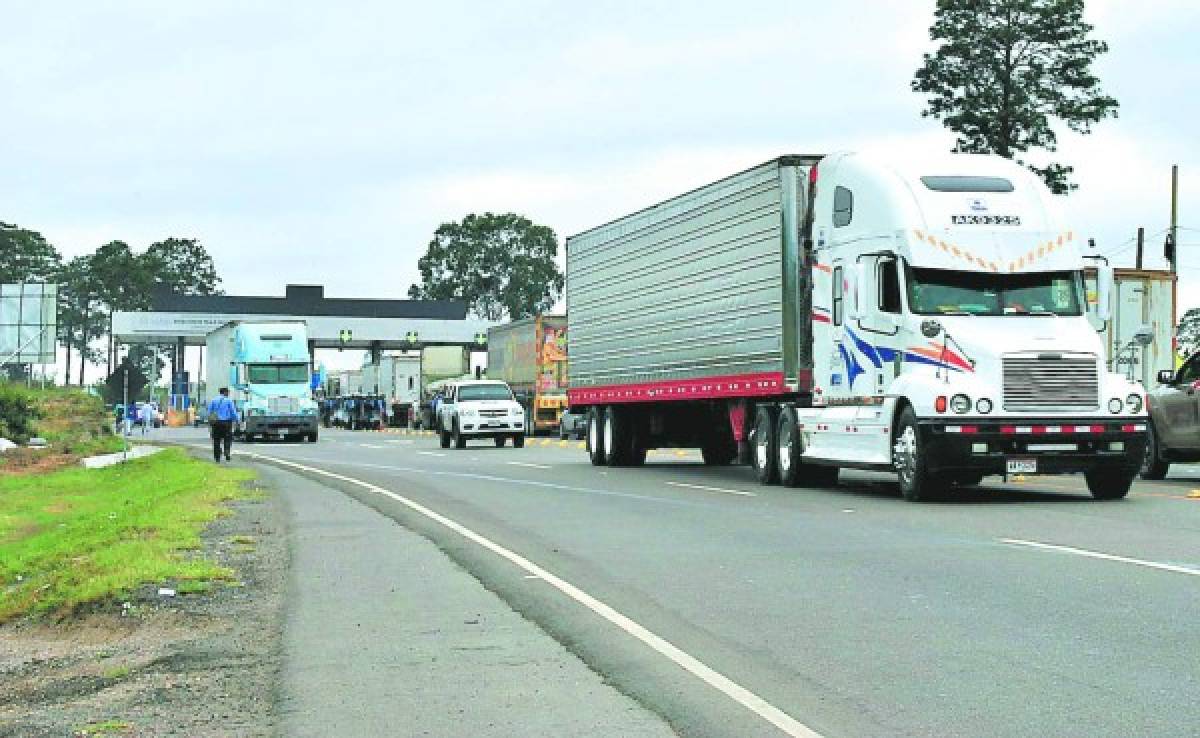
column 1058, row 446
column 506, row 426
column 276, row 425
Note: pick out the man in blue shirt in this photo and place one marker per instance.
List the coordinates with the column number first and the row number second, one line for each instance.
column 222, row 414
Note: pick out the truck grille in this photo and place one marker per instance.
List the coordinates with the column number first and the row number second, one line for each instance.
column 1051, row 382
column 283, row 405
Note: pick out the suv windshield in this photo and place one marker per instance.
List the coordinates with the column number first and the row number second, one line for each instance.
column 277, row 373
column 484, row 392
column 945, row 291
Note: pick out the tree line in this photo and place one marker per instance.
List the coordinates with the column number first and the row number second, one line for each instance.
column 93, row 286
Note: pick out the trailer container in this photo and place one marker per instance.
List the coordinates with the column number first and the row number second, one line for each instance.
column 531, row 356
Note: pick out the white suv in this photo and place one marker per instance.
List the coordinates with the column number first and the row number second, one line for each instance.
column 480, row 409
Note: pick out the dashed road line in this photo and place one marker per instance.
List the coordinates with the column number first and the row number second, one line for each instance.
column 368, row 445
column 1100, row 555
column 736, row 692
column 740, row 492
column 431, row 453
column 528, row 465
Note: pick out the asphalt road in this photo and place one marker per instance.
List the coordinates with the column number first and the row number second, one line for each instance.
column 1021, row 609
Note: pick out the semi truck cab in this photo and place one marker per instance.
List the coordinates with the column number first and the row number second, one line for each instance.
column 951, row 335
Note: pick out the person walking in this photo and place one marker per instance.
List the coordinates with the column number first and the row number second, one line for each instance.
column 222, row 414
column 146, row 416
column 130, row 416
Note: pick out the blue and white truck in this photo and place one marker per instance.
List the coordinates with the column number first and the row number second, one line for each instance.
column 266, row 368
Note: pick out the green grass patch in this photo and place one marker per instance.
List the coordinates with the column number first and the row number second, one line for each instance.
column 194, row 586
column 116, row 672
column 243, row 540
column 80, row 536
column 107, row 727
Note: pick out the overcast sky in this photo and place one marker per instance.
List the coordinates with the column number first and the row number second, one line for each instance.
column 324, row 142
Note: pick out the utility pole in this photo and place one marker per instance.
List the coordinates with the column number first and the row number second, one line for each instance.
column 1175, row 217
column 1141, row 242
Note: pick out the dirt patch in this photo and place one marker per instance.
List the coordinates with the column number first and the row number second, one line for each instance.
column 202, row 664
column 25, row 460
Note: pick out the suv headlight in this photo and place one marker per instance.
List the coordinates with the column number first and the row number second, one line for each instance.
column 469, row 411
column 1134, row 403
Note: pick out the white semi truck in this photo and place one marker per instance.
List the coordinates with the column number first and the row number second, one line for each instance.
column 923, row 316
column 266, row 368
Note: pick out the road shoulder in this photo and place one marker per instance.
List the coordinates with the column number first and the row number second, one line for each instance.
column 385, row 635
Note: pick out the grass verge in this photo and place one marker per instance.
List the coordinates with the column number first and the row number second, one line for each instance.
column 79, row 536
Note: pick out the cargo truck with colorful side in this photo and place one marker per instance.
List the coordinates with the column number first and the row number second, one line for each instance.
column 923, row 315
column 438, row 365
column 531, row 356
column 266, row 368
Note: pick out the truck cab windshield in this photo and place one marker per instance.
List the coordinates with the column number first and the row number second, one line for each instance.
column 277, row 373
column 947, row 291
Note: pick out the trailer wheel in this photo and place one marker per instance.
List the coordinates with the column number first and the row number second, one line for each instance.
column 789, row 447
column 1109, row 484
column 618, row 436
column 765, row 467
column 917, row 484
column 1153, row 467
column 595, row 436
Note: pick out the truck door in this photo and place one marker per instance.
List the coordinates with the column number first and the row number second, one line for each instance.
column 1177, row 408
column 879, row 294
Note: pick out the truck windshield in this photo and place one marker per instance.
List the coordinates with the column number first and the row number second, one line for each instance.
column 277, row 373
column 946, row 291
column 484, row 392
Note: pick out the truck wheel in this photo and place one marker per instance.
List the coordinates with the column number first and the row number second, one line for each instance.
column 917, row 484
column 312, row 437
column 765, row 467
column 500, row 441
column 789, row 448
column 460, row 441
column 595, row 436
column 618, row 436
column 1108, row 484
column 1153, row 467
column 444, row 439
column 519, row 441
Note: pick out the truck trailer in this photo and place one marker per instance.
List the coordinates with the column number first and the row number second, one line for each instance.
column 531, row 356
column 923, row 316
column 266, row 368
column 397, row 378
column 1139, row 340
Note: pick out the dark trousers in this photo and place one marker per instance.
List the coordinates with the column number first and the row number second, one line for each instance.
column 222, row 438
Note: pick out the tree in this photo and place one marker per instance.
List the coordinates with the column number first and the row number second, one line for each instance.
column 500, row 265
column 1187, row 334
column 25, row 256
column 1005, row 68
column 183, row 265
column 80, row 320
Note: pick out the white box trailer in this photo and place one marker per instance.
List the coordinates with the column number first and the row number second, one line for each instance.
column 1141, row 299
column 924, row 316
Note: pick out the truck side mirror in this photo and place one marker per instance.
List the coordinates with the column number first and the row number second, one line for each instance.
column 1166, row 376
column 1104, row 288
column 861, row 290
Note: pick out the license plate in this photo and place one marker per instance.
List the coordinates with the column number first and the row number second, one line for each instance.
column 1021, row 466
column 283, row 434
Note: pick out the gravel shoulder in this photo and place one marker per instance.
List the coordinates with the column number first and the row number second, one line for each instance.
column 202, row 664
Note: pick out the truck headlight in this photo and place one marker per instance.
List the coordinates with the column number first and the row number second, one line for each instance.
column 960, row 404
column 983, row 406
column 1115, row 405
column 1134, row 403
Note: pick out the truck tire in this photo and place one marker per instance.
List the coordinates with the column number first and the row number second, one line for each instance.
column 618, row 436
column 595, row 436
column 444, row 439
column 460, row 441
column 1153, row 467
column 312, row 437
column 765, row 467
column 500, row 441
column 917, row 483
column 1109, row 484
column 519, row 441
column 789, row 448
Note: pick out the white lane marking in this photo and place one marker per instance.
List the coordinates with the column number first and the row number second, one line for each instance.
column 528, row 465
column 367, row 445
column 714, row 489
column 431, row 453
column 739, row 694
column 1107, row 557
column 405, row 442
